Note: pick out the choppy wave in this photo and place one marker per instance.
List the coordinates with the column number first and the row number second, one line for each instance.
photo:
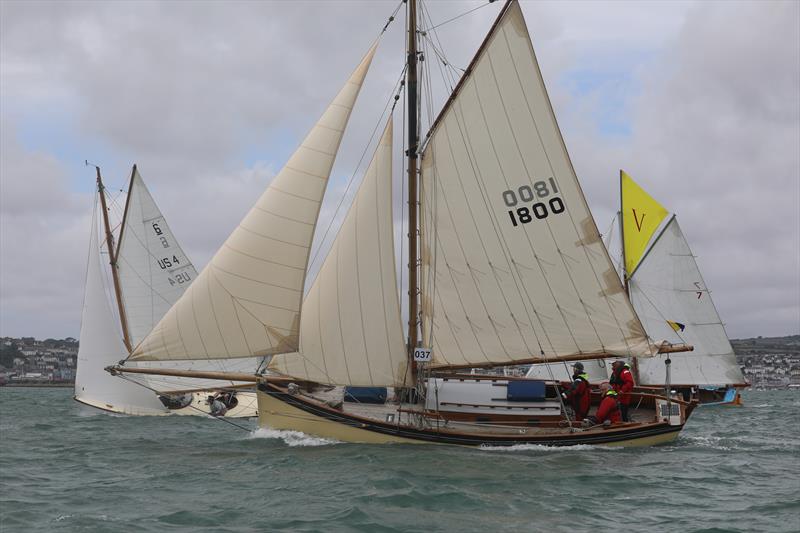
column 60, row 470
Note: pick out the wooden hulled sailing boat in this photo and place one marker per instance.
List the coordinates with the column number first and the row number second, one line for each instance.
column 150, row 271
column 672, row 300
column 506, row 266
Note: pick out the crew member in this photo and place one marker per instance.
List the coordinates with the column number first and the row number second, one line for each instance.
column 608, row 412
column 622, row 381
column 579, row 393
column 216, row 406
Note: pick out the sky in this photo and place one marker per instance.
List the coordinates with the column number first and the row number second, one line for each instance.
column 699, row 101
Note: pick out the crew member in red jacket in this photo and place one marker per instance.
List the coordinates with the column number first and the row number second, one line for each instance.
column 608, row 412
column 579, row 393
column 622, row 381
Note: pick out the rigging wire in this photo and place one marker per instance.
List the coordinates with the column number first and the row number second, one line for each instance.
column 448, row 21
column 220, row 418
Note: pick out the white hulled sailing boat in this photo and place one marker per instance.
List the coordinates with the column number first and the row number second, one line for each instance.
column 673, row 302
column 150, row 272
column 506, row 266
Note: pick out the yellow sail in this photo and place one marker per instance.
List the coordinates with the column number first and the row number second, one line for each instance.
column 641, row 217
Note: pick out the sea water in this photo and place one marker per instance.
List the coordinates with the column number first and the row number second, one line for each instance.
column 65, row 467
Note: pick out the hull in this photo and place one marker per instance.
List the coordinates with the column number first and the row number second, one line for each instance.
column 246, row 408
column 280, row 410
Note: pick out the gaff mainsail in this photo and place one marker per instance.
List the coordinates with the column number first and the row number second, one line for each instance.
column 513, row 267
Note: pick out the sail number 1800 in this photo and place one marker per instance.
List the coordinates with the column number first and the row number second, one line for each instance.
column 536, row 193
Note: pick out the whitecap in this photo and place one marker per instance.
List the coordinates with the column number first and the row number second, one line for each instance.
column 291, row 438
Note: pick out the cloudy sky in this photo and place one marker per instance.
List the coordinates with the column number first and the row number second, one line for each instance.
column 699, row 101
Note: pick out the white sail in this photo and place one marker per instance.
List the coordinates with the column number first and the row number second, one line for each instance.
column 512, row 261
column 153, row 270
column 101, row 345
column 668, row 287
column 247, row 300
column 351, row 332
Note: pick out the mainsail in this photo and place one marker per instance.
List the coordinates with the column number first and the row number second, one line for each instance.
column 350, row 330
column 101, row 345
column 153, row 269
column 247, row 300
column 513, row 267
column 668, row 287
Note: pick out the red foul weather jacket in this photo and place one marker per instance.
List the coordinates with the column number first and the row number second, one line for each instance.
column 608, row 410
column 622, row 381
column 579, row 396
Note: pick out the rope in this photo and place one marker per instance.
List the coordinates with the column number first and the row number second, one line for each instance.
column 458, row 16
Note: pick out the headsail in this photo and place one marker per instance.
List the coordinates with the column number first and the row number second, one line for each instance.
column 101, row 345
column 668, row 287
column 153, row 269
column 350, row 331
column 247, row 300
column 512, row 260
column 641, row 216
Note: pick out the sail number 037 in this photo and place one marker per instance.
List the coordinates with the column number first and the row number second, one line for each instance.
column 536, row 193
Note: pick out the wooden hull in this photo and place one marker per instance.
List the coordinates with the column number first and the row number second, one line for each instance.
column 280, row 410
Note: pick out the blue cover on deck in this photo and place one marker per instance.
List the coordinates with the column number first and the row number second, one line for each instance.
column 365, row 394
column 526, row 391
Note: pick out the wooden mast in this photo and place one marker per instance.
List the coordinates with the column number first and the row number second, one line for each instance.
column 413, row 142
column 622, row 238
column 112, row 260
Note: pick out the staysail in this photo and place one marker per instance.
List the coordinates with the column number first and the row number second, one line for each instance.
column 351, row 331
column 674, row 304
column 153, row 269
column 247, row 300
column 101, row 345
column 512, row 261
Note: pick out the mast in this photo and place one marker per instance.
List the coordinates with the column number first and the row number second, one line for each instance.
column 622, row 239
column 112, row 260
column 413, row 204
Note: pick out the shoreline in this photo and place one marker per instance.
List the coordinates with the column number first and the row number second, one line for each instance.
column 39, row 385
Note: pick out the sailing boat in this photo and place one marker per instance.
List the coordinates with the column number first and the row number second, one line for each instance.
column 150, row 272
column 506, row 266
column 673, row 302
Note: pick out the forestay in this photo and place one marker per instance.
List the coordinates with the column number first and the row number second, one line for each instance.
column 247, row 300
column 153, row 270
column 668, row 286
column 101, row 345
column 351, row 331
column 512, row 261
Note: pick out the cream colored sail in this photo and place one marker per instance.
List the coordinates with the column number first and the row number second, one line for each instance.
column 247, row 300
column 101, row 345
column 153, row 270
column 668, row 287
column 513, row 264
column 351, row 331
